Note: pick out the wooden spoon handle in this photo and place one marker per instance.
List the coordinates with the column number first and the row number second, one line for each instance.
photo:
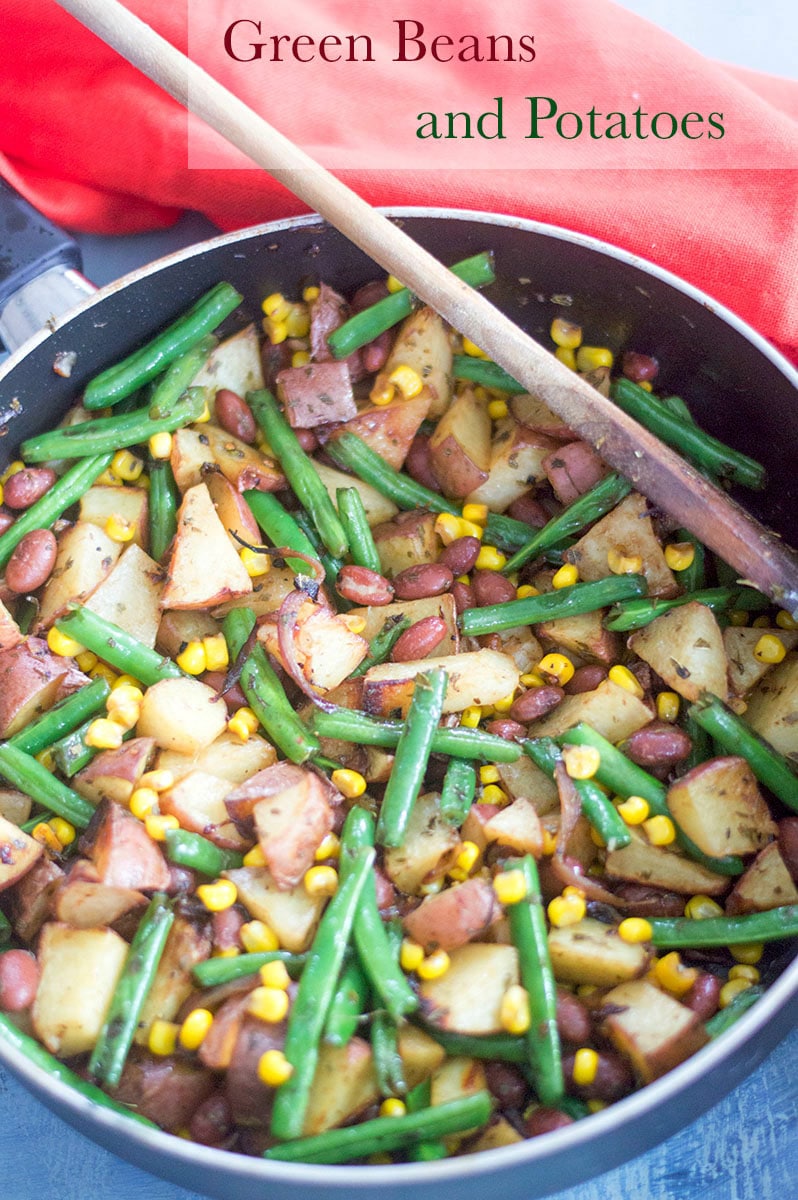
column 756, row 553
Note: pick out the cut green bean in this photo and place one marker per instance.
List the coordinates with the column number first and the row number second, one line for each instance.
column 116, row 646
column 280, row 527
column 116, row 1036
column 412, row 755
column 382, row 644
column 331, row 564
column 62, row 718
column 694, row 577
column 771, row 926
column 634, row 614
column 215, row 971
column 699, row 447
column 505, row 1047
column 601, row 498
column 387, row 1133
column 179, row 376
column 730, row 1015
column 457, row 793
column 65, row 492
column 486, row 373
column 350, row 725
column 163, row 505
column 195, row 852
column 314, row 995
column 25, row 613
column 387, row 1059
column 735, row 737
column 120, row 380
column 362, row 550
column 364, row 326
column 426, row 1151
column 300, row 471
column 550, row 606
column 347, row 1005
column 27, row 773
column 598, row 808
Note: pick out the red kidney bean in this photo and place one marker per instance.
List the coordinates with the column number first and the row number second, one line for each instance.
column 418, row 463
column 613, row 1078
column 463, row 596
column 529, row 510
column 703, row 997
column 573, row 1019
column 226, row 927
column 640, row 368
column 788, row 844
column 489, row 587
column 235, row 416
column 368, row 294
column 585, row 679
column 32, row 561
column 658, row 744
column 6, row 519
column 425, row 579
column 307, row 440
column 545, row 1120
column 461, row 554
column 375, row 354
column 643, row 901
column 212, row 1122
column 507, row 1084
column 505, row 728
column 536, row 703
column 19, row 979
column 361, row 585
column 419, row 640
column 27, row 486
column 234, row 698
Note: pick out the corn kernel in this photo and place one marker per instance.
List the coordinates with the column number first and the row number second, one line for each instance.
column 549, row 843
column 738, row 971
column 328, row 847
column 162, row 1038
column 514, row 1015
column 12, row 469
column 217, row 656
column 646, row 385
column 243, row 723
column 254, row 564
column 218, row 896
column 505, row 704
column 762, row 622
column 747, row 952
column 586, row 1062
column 623, row 564
column 276, row 331
column 195, row 1028
column 471, row 716
column 510, row 886
column 119, row 529
column 393, row 284
column 407, row 380
column 596, row 838
column 533, row 679
column 699, row 907
column 63, row 645
column 737, row 617
column 475, row 512
column 143, row 801
column 274, row 1069
column 732, row 989
column 558, row 666
column 158, row 824
column 321, row 881
column 497, row 410
column 472, row 349
column 109, row 479
column 769, row 649
column 490, row 559
column 737, row 705
column 383, row 391
column 297, row 321
column 63, row 830
column 680, row 555
column 635, row 929
column 595, row 1106
column 104, row 734
column 103, row 671
column 127, row 466
column 255, row 857
column 493, row 794
column 350, row 784
column 45, row 757
column 667, row 706
column 125, row 715
column 226, row 952
column 581, row 762
column 275, row 306
column 300, row 358
column 393, row 1107
column 623, row 677
column 434, row 965
column 634, row 810
column 565, row 577
column 160, row 446
column 159, row 781
column 411, row 955
column 565, row 333
column 192, row 658
column 46, row 836
column 86, row 660
column 489, row 773
column 566, row 356
column 268, row 1004
column 311, row 293
column 525, row 591
column 785, row 621
column 468, row 856
column 258, row 938
column 660, row 830
column 122, row 694
column 275, row 975
column 447, row 527
column 566, row 910
column 589, row 358
column 354, row 624
column 672, row 975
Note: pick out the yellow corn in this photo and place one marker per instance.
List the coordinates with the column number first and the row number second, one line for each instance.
column 732, row 989
column 738, row 971
column 102, row 671
column 300, row 358
column 565, row 577
column 393, row 1107
column 635, row 929
column 309, row 294
column 393, row 284
column 505, row 704
column 549, row 843
column 489, row 773
column 254, row 564
column 558, row 666
column 321, row 881
column 589, row 358
column 623, row 564
column 526, row 590
column 565, row 333
column 472, row 349
column 350, row 784
column 86, row 660
column 46, row 836
column 119, row 529
column 762, row 622
column 467, row 857
column 785, row 621
column 354, row 624
column 447, row 527
column 532, row 679
column 493, row 794
column 12, row 469
column 566, row 356
column 125, row 715
column 667, row 706
column 218, row 896
column 127, row 466
column 411, row 955
column 255, row 857
column 195, row 1028
column 672, row 975
column 226, row 952
column 240, row 725
column 747, row 952
column 274, row 1068
column 383, row 392
column 191, row 658
column 623, row 677
column 581, row 762
column 634, row 810
column 769, row 649
column 143, row 801
column 63, row 645
column 566, row 909
column 258, row 938
column 268, row 1004
column 408, row 380
column 509, row 886
column 109, row 479
column 679, row 555
column 275, row 975
column 275, row 306
column 497, row 410
column 104, row 734
column 699, row 907
column 434, row 965
column 514, row 1015
column 475, row 512
column 45, row 757
column 490, row 559
column 162, row 1038
column 159, row 781
column 586, row 1062
column 217, row 656
column 471, row 717
column 660, row 830
column 297, row 321
column 328, row 847
column 157, row 825
column 276, row 331
column 160, row 445
column 123, row 694
column 63, row 830
column 595, row 1106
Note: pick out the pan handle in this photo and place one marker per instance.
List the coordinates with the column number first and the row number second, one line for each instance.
column 39, row 270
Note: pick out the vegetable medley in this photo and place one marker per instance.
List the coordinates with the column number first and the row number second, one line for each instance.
column 384, row 779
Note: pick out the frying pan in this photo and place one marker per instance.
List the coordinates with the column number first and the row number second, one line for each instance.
column 738, row 387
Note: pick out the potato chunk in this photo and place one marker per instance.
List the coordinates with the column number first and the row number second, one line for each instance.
column 292, row 913
column 129, row 597
column 591, row 952
column 654, row 1031
column 659, row 866
column 718, row 804
column 766, row 884
column 428, row 849
column 80, row 969
column 685, row 647
column 460, row 447
column 611, row 710
column 182, row 714
column 18, row 853
column 467, row 999
column 773, row 707
column 476, row 677
column 628, row 529
column 204, row 569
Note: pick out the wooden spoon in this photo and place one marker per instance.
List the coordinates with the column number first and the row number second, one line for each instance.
column 759, row 555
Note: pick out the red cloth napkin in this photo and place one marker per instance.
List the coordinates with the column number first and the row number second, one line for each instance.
column 99, row 148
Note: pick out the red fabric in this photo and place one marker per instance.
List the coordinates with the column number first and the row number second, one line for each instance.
column 99, row 148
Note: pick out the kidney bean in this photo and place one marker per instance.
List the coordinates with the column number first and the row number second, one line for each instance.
column 536, row 703
column 658, row 744
column 463, row 596
column 573, row 1019
column 585, row 679
column 461, row 554
column 646, row 901
column 489, row 587
column 529, row 510
column 375, row 354
column 425, row 579
column 704, row 995
column 19, row 979
column 505, row 728
column 613, row 1078
column 32, row 561
column 235, row 416
column 6, row 519
column 361, row 585
column 234, row 698
column 226, row 927
column 418, row 463
column 640, row 368
column 28, row 486
column 419, row 640
column 368, row 294
column 545, row 1120
column 307, row 440
column 788, row 844
column 212, row 1122
column 507, row 1084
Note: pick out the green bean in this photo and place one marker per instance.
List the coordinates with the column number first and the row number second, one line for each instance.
column 195, row 852
column 692, row 578
column 118, row 381
column 116, row 646
column 362, row 550
column 300, row 471
column 505, row 532
column 62, row 718
column 382, row 643
column 530, row 938
column 29, row 776
column 505, row 1047
column 634, row 614
column 264, row 692
column 350, row 725
column 486, row 373
column 331, row 564
column 598, row 808
column 11, row 1035
column 549, row 606
column 412, row 756
column 701, row 745
column 730, row 1015
column 5, row 929
column 180, row 375
column 426, row 1151
column 104, row 434
column 280, row 527
column 457, row 793
column 163, row 506
column 735, row 737
column 364, row 326
column 699, row 447
column 377, row 956
column 387, row 1059
column 386, row 1133
column 215, row 971
column 138, row 974
column 601, row 498
column 678, row 408
column 25, row 613
column 771, row 926
column 314, row 995
column 65, row 492
column 71, row 754
column 347, row 1005
column 621, row 775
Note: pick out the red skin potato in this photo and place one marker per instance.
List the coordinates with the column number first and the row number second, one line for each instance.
column 573, row 470
column 453, row 917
